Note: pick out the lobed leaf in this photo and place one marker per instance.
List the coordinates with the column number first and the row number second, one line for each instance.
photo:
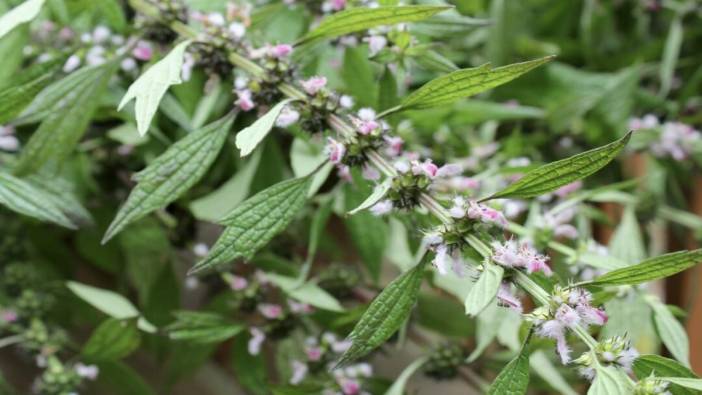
column 113, row 339
column 464, row 83
column 554, row 175
column 149, row 88
column 23, row 197
column 19, row 15
column 249, row 138
column 68, row 105
column 360, row 18
column 514, row 378
column 385, row 315
column 172, row 174
column 484, row 290
column 650, row 269
column 253, row 223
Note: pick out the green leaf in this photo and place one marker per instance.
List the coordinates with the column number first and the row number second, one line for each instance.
column 249, row 370
column 609, row 380
column 484, row 290
column 671, row 53
column 23, row 197
column 359, row 77
column 378, row 193
column 385, row 315
column 369, row 233
column 646, row 365
column 25, row 87
column 113, row 14
column 113, row 339
column 357, row 19
column 307, row 292
column 651, row 269
column 202, row 327
column 305, row 157
column 464, row 83
column 123, row 379
column 627, row 242
column 110, row 303
column 252, row 224
column 554, row 175
column 695, row 384
column 544, row 367
column 248, row 139
column 514, row 378
column 19, row 15
column 670, row 331
column 172, row 174
column 150, row 87
column 398, row 387
column 62, row 193
column 68, row 105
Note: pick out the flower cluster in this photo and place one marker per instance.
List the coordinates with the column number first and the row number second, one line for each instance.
column 512, row 254
column 475, row 211
column 101, row 44
column 615, row 351
column 569, row 307
column 676, row 140
column 651, row 386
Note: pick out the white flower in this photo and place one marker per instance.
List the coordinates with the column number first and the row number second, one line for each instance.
column 72, row 63
column 346, row 101
column 101, row 34
column 376, row 44
column 257, row 338
column 299, row 371
column 87, row 371
column 287, row 117
column 237, row 30
column 382, row 207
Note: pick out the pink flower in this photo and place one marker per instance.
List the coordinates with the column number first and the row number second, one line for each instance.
column 449, row 170
column 367, row 127
column 506, row 298
column 314, row 85
column 382, row 207
column 244, row 100
column 401, row 166
column 463, row 183
column 592, row 315
column 567, row 316
column 553, row 329
column 271, row 311
column 376, row 44
column 427, row 168
column 335, row 150
column 370, row 173
column 143, row 51
column 8, row 316
column 537, row 263
column 344, row 172
column 479, row 211
column 287, row 117
column 257, row 338
column 238, row 283
column 314, row 353
column 338, row 5
column 394, row 147
column 280, row 50
column 349, row 387
column 567, row 189
column 299, row 308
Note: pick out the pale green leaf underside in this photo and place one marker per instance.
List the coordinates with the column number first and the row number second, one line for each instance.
column 23, row 13
column 651, row 269
column 249, row 138
column 110, row 303
column 609, row 381
column 514, row 378
column 695, row 384
column 464, row 83
column 253, row 223
column 484, row 290
column 307, row 292
column 69, row 105
column 358, row 19
column 646, row 365
column 671, row 332
column 172, row 174
column 378, row 193
column 149, row 88
column 385, row 314
column 554, row 175
column 22, row 197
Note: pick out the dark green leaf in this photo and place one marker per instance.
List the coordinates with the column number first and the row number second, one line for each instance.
column 172, row 174
column 385, row 315
column 514, row 378
column 202, row 327
column 113, row 339
column 23, row 197
column 253, row 223
column 16, row 97
column 554, row 175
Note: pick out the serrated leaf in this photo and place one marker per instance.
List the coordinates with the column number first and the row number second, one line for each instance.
column 26, row 86
column 609, row 380
column 253, row 223
column 113, row 339
column 150, row 87
column 554, row 175
column 21, row 196
column 695, row 384
column 385, row 315
column 646, row 365
column 110, row 303
column 61, row 192
column 651, row 269
column 172, row 174
column 464, row 83
column 307, row 292
column 398, row 387
column 249, row 138
column 357, row 19
column 21, row 14
column 484, row 290
column 75, row 99
column 378, row 193
column 514, row 378
column 202, row 327
column 670, row 331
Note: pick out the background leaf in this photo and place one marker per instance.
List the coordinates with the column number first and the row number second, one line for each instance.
column 113, row 339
